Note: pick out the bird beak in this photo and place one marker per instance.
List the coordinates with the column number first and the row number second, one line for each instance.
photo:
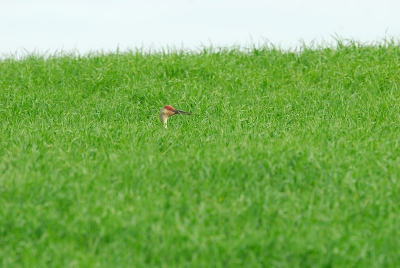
column 181, row 112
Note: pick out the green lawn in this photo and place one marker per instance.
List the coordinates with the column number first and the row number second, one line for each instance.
column 290, row 159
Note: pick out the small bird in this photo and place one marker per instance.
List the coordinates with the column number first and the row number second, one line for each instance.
column 168, row 111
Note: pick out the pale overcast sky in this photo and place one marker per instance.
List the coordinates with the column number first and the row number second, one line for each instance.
column 93, row 25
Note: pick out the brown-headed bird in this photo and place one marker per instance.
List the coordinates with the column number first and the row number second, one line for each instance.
column 168, row 111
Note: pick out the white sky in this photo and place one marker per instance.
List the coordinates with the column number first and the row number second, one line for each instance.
column 92, row 25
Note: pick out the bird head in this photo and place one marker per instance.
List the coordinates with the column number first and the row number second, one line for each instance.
column 167, row 111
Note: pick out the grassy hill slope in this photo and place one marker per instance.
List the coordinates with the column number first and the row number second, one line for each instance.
column 291, row 159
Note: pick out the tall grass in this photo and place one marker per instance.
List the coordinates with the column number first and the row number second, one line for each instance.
column 291, row 158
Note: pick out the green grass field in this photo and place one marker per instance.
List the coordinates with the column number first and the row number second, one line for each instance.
column 291, row 158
